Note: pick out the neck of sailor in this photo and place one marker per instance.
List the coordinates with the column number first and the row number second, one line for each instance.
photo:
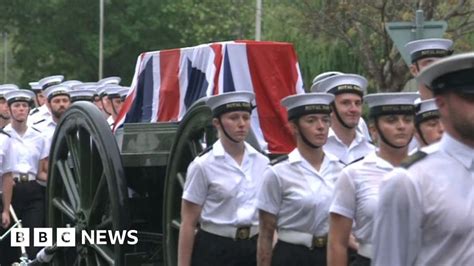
column 346, row 135
column 19, row 126
column 313, row 156
column 395, row 156
column 235, row 150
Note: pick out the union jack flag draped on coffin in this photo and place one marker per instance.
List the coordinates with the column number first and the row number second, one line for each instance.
column 168, row 82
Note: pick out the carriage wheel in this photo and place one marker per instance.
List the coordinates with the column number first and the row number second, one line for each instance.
column 86, row 185
column 195, row 130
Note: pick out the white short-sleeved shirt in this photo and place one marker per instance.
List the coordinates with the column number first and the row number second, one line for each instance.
column 47, row 128
column 110, row 121
column 357, row 192
column 226, row 191
column 5, row 161
column 298, row 194
column 26, row 151
column 359, row 147
column 426, row 212
column 43, row 113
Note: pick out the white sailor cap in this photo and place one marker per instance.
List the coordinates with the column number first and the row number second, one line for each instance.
column 451, row 73
column 102, row 90
column 50, row 81
column 35, row 86
column 71, row 83
column 19, row 95
column 391, row 103
column 85, row 85
column 109, row 80
column 6, row 88
column 307, row 103
column 424, row 48
column 317, row 80
column 344, row 83
column 112, row 91
column 9, row 86
column 83, row 94
column 426, row 110
column 56, row 90
column 231, row 101
column 124, row 92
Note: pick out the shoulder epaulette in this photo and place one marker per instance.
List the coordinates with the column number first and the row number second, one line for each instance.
column 356, row 160
column 36, row 129
column 206, row 150
column 3, row 132
column 279, row 159
column 37, row 122
column 411, row 160
column 34, row 111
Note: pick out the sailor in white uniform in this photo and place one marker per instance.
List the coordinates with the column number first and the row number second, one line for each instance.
column 42, row 112
column 348, row 138
column 29, row 156
column 58, row 101
column 221, row 191
column 112, row 100
column 356, row 192
column 297, row 189
column 426, row 209
column 424, row 52
column 101, row 85
column 39, row 97
column 83, row 92
column 429, row 128
column 4, row 112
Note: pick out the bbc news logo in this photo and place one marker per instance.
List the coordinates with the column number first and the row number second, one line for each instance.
column 66, row 237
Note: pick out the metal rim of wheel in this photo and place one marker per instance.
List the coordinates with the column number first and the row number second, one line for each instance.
column 84, row 146
column 195, row 129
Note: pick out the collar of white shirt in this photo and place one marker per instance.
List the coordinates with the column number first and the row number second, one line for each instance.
column 218, row 149
column 359, row 137
column 295, row 157
column 459, row 151
column 373, row 158
column 43, row 109
column 29, row 130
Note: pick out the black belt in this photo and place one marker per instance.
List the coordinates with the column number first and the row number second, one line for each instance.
column 23, row 177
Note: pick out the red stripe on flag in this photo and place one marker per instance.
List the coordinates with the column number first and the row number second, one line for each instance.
column 168, row 108
column 274, row 76
column 217, row 48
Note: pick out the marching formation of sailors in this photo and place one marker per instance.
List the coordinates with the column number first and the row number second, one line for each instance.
column 399, row 191
column 25, row 140
column 344, row 196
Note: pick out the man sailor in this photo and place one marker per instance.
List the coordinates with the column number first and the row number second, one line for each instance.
column 423, row 53
column 42, row 112
column 425, row 214
column 345, row 141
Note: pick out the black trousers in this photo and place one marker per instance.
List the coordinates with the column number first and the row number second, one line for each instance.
column 361, row 261
column 8, row 255
column 214, row 250
column 28, row 201
column 287, row 254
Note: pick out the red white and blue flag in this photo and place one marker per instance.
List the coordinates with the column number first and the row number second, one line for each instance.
column 168, row 82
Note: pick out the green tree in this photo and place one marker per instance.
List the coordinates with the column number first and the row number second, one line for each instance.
column 361, row 25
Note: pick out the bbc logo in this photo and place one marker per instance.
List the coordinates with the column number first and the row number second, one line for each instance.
column 66, row 237
column 43, row 237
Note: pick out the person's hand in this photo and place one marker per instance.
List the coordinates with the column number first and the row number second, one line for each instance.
column 5, row 219
column 353, row 242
